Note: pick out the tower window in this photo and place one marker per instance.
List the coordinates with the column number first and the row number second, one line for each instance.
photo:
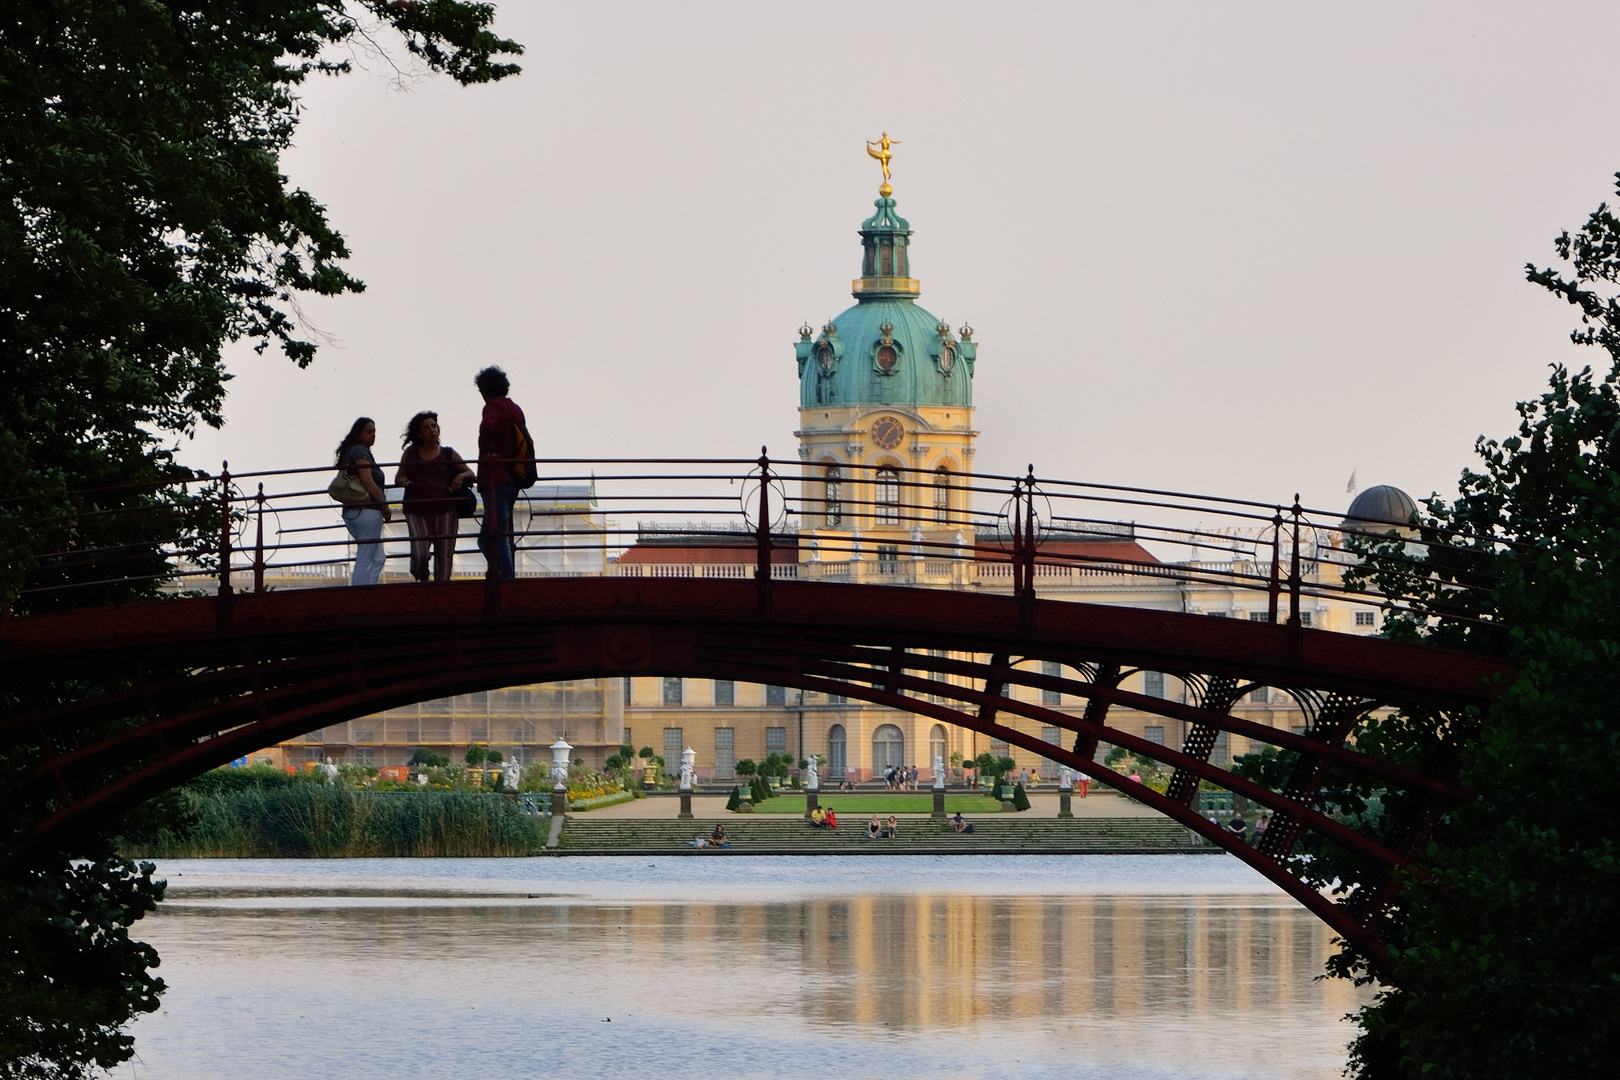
column 833, row 502
column 888, row 496
column 887, row 255
column 942, row 495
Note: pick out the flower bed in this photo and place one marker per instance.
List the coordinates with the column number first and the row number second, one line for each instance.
column 611, row 799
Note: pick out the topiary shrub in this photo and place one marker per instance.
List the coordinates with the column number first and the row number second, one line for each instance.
column 736, row 799
column 1020, row 799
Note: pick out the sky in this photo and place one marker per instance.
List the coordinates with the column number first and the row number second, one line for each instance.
column 1243, row 249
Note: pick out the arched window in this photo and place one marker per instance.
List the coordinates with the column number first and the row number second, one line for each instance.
column 835, row 752
column 887, row 496
column 833, row 496
column 888, row 749
column 936, row 745
column 942, row 495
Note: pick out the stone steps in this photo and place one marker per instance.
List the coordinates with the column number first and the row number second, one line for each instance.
column 792, row 835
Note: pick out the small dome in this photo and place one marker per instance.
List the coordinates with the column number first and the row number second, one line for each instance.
column 1381, row 505
column 886, row 349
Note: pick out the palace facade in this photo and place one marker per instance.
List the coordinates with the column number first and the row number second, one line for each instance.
column 885, row 436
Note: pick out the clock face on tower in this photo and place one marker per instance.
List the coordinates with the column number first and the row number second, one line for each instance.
column 887, row 433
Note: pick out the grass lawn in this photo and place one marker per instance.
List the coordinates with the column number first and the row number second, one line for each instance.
column 866, row 805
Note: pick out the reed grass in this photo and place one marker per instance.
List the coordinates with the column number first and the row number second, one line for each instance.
column 321, row 821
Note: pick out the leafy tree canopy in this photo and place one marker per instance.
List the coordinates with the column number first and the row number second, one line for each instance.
column 144, row 223
column 1507, row 955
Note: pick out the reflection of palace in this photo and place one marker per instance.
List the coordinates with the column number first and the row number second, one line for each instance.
column 885, row 397
column 933, row 963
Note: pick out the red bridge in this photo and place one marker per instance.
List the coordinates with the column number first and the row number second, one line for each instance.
column 185, row 684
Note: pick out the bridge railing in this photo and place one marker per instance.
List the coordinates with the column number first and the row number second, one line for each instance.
column 725, row 518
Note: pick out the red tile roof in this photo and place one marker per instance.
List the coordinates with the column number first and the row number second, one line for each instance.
column 707, row 550
column 1074, row 552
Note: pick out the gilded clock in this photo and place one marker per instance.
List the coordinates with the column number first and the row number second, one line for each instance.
column 887, row 433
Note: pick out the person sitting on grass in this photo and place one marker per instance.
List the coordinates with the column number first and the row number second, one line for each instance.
column 718, row 837
column 892, row 829
column 832, row 818
column 818, row 818
column 961, row 824
column 873, row 828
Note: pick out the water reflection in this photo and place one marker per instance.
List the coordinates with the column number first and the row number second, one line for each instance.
column 1204, row 984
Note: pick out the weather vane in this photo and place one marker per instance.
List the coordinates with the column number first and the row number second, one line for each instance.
column 881, row 153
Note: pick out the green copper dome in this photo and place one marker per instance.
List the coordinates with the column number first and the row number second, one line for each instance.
column 887, row 349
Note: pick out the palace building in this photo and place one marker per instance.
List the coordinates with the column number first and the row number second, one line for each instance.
column 885, row 436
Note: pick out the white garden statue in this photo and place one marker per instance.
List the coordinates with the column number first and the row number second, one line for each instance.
column 330, row 771
column 688, row 769
column 1065, row 779
column 939, row 770
column 511, row 775
column 812, row 775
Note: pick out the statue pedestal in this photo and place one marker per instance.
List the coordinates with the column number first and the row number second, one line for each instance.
column 559, row 802
column 1064, row 809
column 812, row 800
column 939, row 804
column 686, row 804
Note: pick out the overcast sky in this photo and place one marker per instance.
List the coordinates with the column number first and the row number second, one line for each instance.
column 1241, row 248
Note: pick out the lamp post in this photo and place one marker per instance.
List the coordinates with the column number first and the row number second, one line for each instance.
column 559, row 776
column 688, row 773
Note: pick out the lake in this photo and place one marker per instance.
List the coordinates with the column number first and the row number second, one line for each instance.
column 1089, row 966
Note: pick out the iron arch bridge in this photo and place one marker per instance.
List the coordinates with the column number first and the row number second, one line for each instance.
column 188, row 684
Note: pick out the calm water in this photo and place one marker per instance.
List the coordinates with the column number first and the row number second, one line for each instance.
column 1074, row 966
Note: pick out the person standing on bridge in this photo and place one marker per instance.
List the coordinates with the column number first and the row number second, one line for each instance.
column 364, row 520
column 430, row 474
column 500, row 433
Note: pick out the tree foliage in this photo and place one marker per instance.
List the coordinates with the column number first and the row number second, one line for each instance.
column 1507, row 954
column 144, row 223
column 70, row 974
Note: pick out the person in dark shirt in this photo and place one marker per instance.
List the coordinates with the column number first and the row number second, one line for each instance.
column 431, row 474
column 497, row 449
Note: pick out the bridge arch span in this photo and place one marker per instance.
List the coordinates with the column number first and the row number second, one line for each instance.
column 247, row 671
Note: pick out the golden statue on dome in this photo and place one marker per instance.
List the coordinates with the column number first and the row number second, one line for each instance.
column 879, row 151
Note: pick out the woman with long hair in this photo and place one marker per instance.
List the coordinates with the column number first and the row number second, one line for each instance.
column 431, row 475
column 364, row 519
